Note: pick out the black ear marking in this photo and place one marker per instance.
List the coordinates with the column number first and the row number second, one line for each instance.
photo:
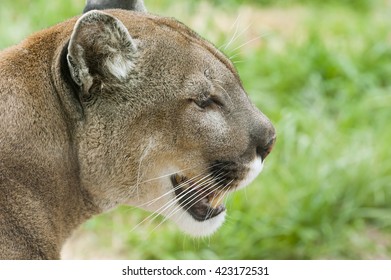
column 130, row 5
column 67, row 77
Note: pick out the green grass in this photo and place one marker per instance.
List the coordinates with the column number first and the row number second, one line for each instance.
column 326, row 188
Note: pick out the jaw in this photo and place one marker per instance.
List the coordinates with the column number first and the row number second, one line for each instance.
column 163, row 201
column 197, row 211
column 196, row 206
column 194, row 203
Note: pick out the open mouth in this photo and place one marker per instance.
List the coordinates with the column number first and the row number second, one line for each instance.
column 201, row 199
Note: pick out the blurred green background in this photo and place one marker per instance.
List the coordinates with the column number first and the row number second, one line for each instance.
column 321, row 71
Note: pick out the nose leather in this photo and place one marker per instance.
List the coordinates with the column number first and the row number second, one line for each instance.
column 263, row 136
column 264, row 150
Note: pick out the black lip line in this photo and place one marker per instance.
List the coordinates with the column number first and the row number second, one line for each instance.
column 194, row 209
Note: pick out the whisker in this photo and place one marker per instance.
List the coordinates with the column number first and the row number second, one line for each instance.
column 224, row 90
column 179, row 207
column 201, row 184
column 143, row 155
column 201, row 194
column 177, row 188
column 205, row 182
column 173, row 189
column 169, row 203
column 151, row 217
column 228, row 199
column 166, row 175
column 169, row 215
column 224, row 191
column 182, row 216
column 248, row 42
column 245, row 194
column 196, row 194
column 233, row 36
column 159, row 211
column 195, row 201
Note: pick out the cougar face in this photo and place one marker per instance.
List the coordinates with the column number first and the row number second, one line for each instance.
column 202, row 136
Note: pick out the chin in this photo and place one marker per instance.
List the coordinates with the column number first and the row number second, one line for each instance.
column 196, row 228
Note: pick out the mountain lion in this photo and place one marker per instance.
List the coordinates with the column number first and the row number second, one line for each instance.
column 120, row 107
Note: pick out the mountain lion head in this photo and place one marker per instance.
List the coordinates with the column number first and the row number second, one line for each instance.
column 121, row 107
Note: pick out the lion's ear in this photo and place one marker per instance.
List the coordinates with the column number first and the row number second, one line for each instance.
column 100, row 48
column 131, row 5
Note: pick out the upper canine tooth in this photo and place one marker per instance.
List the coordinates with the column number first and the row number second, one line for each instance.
column 216, row 200
column 178, row 179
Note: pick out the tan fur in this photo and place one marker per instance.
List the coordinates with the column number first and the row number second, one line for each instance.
column 78, row 138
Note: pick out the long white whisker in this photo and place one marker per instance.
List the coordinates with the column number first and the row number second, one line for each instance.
column 206, row 187
column 240, row 34
column 205, row 180
column 167, row 175
column 248, row 42
column 149, row 217
column 185, row 182
column 195, row 195
column 179, row 207
column 201, row 181
column 233, row 56
column 228, row 197
column 159, row 211
column 225, row 91
column 174, row 189
column 234, row 35
column 223, row 192
column 200, row 196
column 183, row 214
column 143, row 155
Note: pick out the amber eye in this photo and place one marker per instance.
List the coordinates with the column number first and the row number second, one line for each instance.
column 213, row 102
column 204, row 103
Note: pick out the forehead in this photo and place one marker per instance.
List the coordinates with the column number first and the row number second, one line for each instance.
column 170, row 32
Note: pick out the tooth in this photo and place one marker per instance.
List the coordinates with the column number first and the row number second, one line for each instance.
column 178, row 178
column 216, row 200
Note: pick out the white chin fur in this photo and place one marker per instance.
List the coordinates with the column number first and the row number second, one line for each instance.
column 197, row 228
